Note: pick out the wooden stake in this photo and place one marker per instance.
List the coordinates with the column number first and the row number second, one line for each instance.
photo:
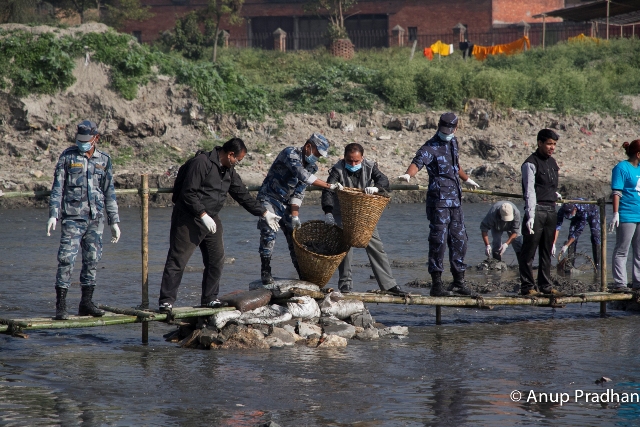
column 603, row 253
column 144, row 208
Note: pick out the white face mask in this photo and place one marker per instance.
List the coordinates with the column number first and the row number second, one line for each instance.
column 445, row 137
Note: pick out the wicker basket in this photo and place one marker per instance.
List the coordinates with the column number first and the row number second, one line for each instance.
column 342, row 48
column 360, row 214
column 318, row 268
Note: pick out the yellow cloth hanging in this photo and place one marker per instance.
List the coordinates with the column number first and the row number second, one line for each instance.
column 583, row 38
column 481, row 52
column 441, row 48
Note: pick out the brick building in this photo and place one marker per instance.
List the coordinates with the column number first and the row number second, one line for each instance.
column 262, row 17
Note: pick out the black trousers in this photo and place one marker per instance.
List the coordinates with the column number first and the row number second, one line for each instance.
column 186, row 234
column 544, row 228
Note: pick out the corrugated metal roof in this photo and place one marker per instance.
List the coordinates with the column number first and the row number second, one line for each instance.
column 620, row 12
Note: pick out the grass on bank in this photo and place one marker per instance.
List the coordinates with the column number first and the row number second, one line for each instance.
column 568, row 77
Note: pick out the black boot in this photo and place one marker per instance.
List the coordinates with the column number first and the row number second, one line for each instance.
column 87, row 307
column 437, row 288
column 458, row 286
column 265, row 271
column 61, row 303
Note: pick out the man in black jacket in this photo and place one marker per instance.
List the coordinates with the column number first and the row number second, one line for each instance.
column 539, row 188
column 355, row 171
column 195, row 222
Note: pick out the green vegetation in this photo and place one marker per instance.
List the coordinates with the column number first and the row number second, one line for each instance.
column 569, row 77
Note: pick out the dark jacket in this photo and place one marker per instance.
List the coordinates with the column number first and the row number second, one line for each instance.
column 546, row 178
column 200, row 194
column 368, row 176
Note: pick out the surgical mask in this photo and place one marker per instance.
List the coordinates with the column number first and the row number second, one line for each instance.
column 445, row 136
column 571, row 216
column 311, row 159
column 84, row 146
column 353, row 168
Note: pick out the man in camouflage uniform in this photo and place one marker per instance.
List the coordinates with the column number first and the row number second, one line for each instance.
column 580, row 215
column 444, row 208
column 82, row 190
column 282, row 192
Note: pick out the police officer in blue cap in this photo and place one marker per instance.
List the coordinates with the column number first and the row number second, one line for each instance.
column 444, row 204
column 579, row 215
column 282, row 192
column 81, row 195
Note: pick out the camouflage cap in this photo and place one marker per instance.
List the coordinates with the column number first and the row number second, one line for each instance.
column 321, row 143
column 86, row 131
column 448, row 122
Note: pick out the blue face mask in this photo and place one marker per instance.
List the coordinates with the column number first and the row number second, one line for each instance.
column 84, row 146
column 445, row 136
column 353, row 168
column 311, row 159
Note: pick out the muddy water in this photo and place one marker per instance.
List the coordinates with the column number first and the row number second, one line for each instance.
column 460, row 373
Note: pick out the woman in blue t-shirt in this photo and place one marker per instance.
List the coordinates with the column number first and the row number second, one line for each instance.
column 625, row 184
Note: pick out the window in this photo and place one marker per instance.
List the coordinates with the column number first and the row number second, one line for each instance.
column 413, row 33
column 138, row 36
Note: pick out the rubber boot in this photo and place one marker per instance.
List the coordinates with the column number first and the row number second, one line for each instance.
column 437, row 288
column 61, row 303
column 87, row 307
column 265, row 271
column 458, row 286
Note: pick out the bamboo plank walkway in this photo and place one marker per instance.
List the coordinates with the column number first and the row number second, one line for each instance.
column 122, row 316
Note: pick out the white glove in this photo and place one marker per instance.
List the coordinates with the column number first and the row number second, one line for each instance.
column 564, row 249
column 336, row 185
column 1, row 193
column 371, row 190
column 272, row 219
column 329, row 219
column 488, row 250
column 295, row 222
column 558, row 195
column 503, row 248
column 553, row 250
column 209, row 223
column 615, row 222
column 471, row 184
column 530, row 225
column 115, row 233
column 404, row 177
column 51, row 225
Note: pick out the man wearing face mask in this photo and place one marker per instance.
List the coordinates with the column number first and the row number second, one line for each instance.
column 355, row 171
column 195, row 222
column 439, row 156
column 81, row 194
column 580, row 215
column 282, row 192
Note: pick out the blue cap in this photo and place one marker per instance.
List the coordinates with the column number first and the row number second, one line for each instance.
column 567, row 208
column 86, row 131
column 448, row 123
column 321, row 143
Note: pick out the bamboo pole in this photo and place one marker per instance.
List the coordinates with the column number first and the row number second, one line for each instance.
column 478, row 301
column 438, row 315
column 80, row 322
column 544, row 30
column 603, row 254
column 144, row 216
column 608, row 3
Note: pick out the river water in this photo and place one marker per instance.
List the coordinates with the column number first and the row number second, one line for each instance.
column 460, row 373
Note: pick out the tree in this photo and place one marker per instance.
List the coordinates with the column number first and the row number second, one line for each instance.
column 25, row 11
column 213, row 14
column 120, row 11
column 335, row 9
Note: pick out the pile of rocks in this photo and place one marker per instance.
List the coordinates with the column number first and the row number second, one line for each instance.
column 287, row 322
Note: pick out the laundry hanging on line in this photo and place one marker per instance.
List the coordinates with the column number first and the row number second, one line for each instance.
column 428, row 53
column 442, row 49
column 583, row 38
column 481, row 52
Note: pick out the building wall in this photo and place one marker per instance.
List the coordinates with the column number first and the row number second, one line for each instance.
column 427, row 16
column 513, row 11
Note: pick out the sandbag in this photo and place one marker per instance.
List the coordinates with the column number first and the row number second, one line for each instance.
column 247, row 300
column 334, row 305
column 282, row 288
column 223, row 317
column 268, row 315
column 305, row 308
